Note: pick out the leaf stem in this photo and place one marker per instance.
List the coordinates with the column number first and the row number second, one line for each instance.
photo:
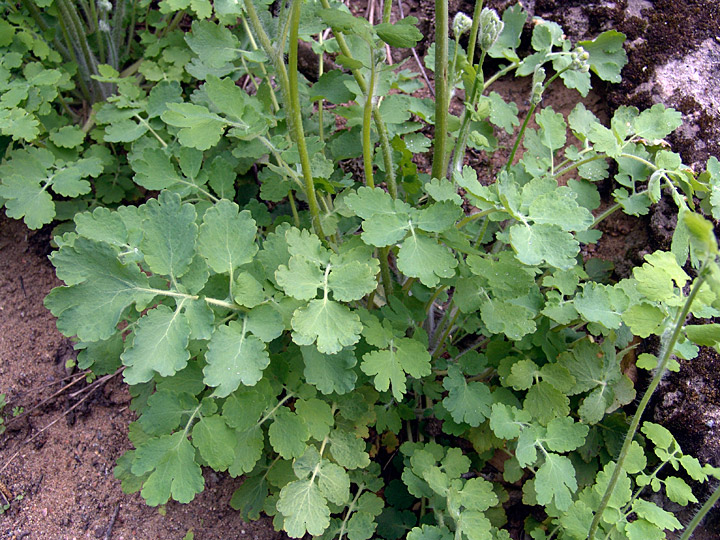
column 667, row 351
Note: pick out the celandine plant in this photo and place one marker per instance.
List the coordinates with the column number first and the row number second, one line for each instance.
column 375, row 360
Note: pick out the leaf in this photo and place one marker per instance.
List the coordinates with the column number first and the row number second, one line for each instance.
column 318, row 416
column 389, row 367
column 514, row 19
column 331, row 86
column 657, row 122
column 348, row 450
column 249, row 498
column 215, row 441
column 678, row 491
column 425, row 259
column 330, row 373
column 544, row 242
column 607, row 56
column 26, row 199
column 555, row 481
column 602, row 304
column 68, row 137
column 656, row 515
column 565, row 435
column 334, row 482
column 100, row 290
column 351, row 281
column 402, row 34
column 170, row 460
column 469, row 403
column 507, row 422
column 560, row 208
column 300, row 279
column 507, row 318
column 169, row 233
column 477, row 494
column 332, row 326
column 288, row 434
column 546, row 402
column 553, row 128
column 226, row 238
column 304, row 508
column 213, row 43
column 165, row 409
column 155, row 170
column 199, row 128
column 234, row 358
column 249, row 446
column 159, row 345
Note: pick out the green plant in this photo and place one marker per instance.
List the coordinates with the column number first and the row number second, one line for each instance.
column 362, row 354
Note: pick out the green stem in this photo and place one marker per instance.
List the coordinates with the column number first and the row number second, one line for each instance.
column 288, row 79
column 472, row 217
column 667, row 350
column 442, row 96
column 254, row 46
column 701, row 514
column 434, row 297
column 520, row 136
column 296, row 114
column 385, row 274
column 377, row 116
column 366, row 129
column 387, row 10
column 441, row 344
column 530, row 113
column 293, row 208
column 607, row 213
column 472, row 40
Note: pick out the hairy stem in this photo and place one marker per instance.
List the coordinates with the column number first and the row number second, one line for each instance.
column 667, row 350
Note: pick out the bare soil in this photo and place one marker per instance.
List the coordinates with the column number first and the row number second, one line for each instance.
column 56, row 459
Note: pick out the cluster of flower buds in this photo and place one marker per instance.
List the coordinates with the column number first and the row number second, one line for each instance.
column 580, row 59
column 461, row 24
column 105, row 5
column 538, row 86
column 490, row 28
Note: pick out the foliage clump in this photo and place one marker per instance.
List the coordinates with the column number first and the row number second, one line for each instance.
column 362, row 348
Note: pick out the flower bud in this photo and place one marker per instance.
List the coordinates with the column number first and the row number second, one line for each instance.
column 537, row 87
column 490, row 28
column 461, row 24
column 105, row 5
column 580, row 59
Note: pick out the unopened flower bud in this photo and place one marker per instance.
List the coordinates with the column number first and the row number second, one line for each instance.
column 538, row 86
column 103, row 26
column 461, row 24
column 490, row 28
column 580, row 59
column 105, row 5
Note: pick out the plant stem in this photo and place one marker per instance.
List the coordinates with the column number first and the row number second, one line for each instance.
column 442, row 97
column 385, row 274
column 472, row 40
column 288, row 78
column 667, row 350
column 701, row 514
column 366, row 129
column 530, row 113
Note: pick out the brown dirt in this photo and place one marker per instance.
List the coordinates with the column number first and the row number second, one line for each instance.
column 58, row 469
